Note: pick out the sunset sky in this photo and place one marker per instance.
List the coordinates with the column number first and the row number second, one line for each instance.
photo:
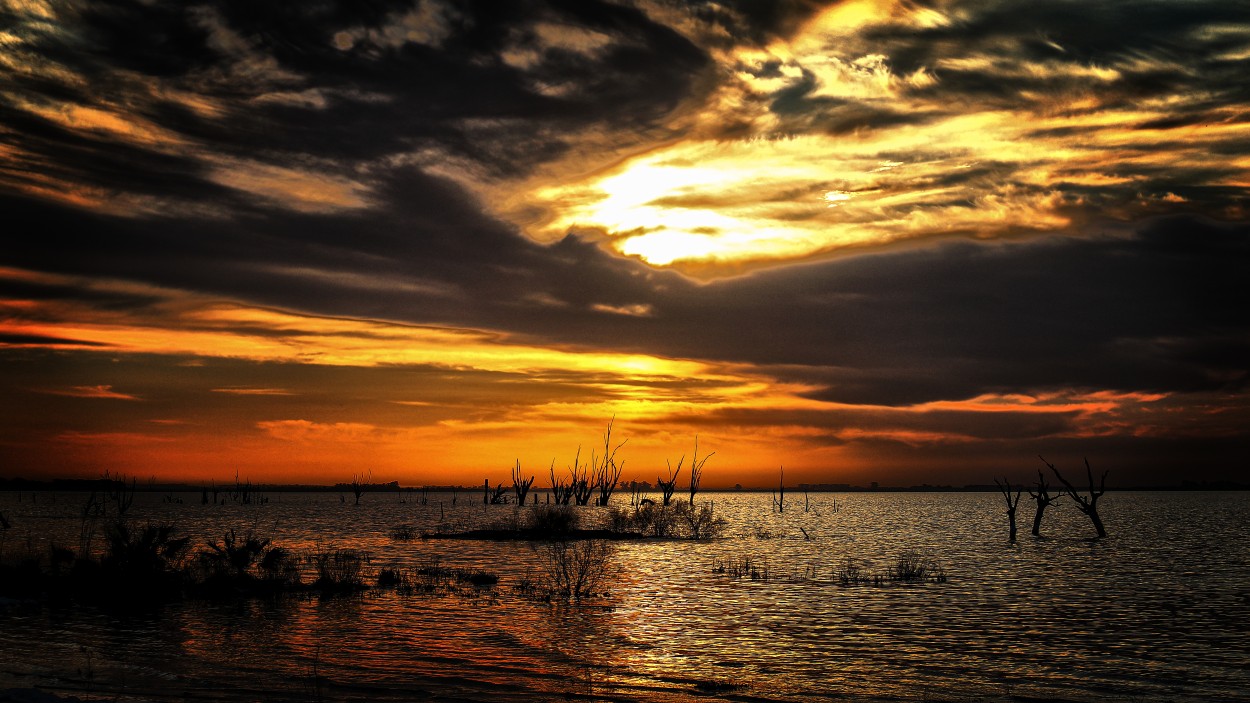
column 901, row 242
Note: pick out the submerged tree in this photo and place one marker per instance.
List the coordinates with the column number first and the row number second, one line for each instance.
column 561, row 492
column 360, row 483
column 667, row 488
column 607, row 471
column 496, row 496
column 1005, row 489
column 520, row 486
column 779, row 498
column 1087, row 505
column 1042, row 498
column 580, row 479
column 696, row 470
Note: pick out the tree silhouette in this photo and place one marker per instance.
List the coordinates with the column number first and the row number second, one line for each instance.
column 1005, row 488
column 1087, row 505
column 1042, row 498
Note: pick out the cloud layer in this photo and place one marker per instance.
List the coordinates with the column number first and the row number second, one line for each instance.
column 903, row 236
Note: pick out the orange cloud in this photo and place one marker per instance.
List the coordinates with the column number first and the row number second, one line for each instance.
column 101, row 391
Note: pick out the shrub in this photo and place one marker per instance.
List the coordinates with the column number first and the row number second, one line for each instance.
column 339, row 569
column 910, row 566
column 849, row 572
column 623, row 521
column 233, row 558
column 553, row 520
column 394, row 578
column 280, row 568
column 149, row 556
column 699, row 523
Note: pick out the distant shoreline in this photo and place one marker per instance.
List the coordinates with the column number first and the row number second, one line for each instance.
column 84, row 484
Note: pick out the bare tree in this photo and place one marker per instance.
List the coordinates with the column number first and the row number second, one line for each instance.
column 520, row 486
column 1042, row 498
column 668, row 487
column 1005, row 489
column 360, row 483
column 779, row 499
column 496, row 496
column 607, row 471
column 579, row 479
column 1089, row 505
column 696, row 470
column 561, row 492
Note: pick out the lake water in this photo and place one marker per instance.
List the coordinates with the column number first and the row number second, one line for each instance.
column 1159, row 611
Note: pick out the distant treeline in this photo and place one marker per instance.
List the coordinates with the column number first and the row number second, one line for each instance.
column 91, row 484
column 95, row 484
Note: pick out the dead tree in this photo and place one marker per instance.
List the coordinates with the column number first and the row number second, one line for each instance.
column 696, row 470
column 1005, row 489
column 1089, row 505
column 607, row 471
column 779, row 499
column 579, row 479
column 494, row 496
column 561, row 492
column 1042, row 498
column 667, row 488
column 360, row 483
column 520, row 486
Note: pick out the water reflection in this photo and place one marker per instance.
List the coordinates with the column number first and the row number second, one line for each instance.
column 1158, row 611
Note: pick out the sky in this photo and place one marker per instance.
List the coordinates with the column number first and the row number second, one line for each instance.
column 903, row 242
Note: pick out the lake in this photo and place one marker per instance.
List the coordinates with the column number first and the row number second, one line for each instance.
column 1158, row 611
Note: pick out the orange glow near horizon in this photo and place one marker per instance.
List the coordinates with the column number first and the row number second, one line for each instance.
column 438, row 428
column 652, row 399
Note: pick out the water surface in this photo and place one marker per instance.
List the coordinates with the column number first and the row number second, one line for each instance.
column 1159, row 611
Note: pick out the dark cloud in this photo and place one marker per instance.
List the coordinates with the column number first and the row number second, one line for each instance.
column 274, row 85
column 1157, row 306
column 956, row 425
column 1159, row 49
column 1158, row 310
column 961, row 319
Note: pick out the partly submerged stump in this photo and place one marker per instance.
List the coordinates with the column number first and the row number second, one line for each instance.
column 1005, row 488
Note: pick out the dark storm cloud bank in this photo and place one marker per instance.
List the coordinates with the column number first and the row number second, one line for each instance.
column 1163, row 309
column 342, row 84
column 1159, row 47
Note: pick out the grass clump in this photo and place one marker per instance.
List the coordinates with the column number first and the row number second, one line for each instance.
column 850, row 573
column 910, row 565
column 403, row 533
column 339, row 570
column 742, row 567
